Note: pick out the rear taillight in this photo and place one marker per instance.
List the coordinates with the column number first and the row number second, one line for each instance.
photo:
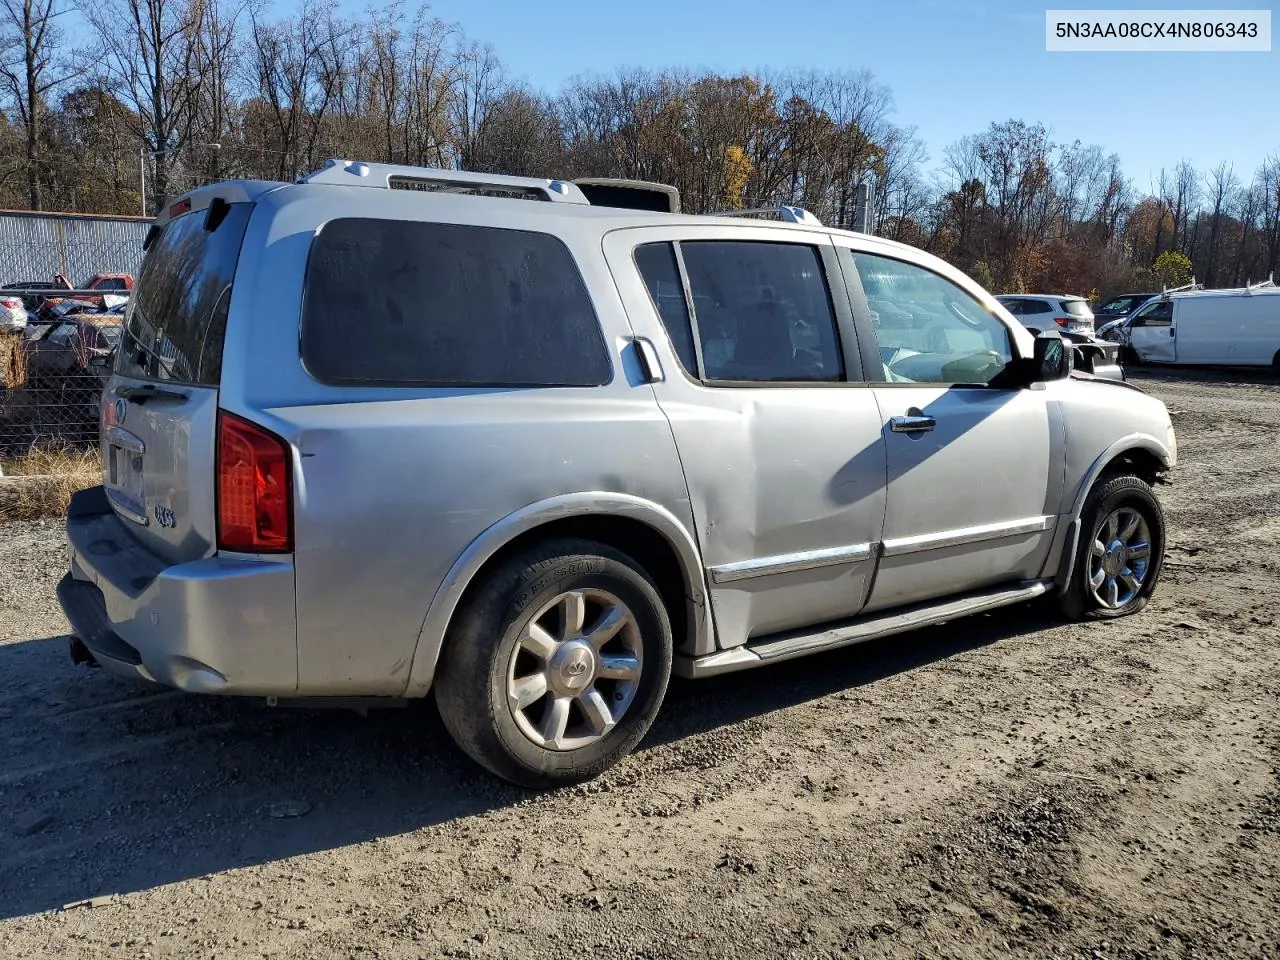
column 1062, row 321
column 255, row 503
column 11, row 303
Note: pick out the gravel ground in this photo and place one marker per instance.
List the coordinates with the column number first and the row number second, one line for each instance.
column 999, row 786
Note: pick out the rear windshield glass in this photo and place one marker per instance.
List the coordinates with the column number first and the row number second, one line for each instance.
column 435, row 304
column 177, row 319
column 1077, row 308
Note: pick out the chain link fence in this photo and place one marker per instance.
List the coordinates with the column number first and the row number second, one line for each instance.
column 50, row 385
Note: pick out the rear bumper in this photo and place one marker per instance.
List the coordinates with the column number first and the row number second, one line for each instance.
column 214, row 625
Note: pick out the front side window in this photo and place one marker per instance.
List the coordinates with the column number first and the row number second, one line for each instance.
column 929, row 329
column 1156, row 315
column 409, row 303
column 761, row 310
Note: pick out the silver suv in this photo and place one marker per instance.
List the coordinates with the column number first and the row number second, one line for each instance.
column 389, row 430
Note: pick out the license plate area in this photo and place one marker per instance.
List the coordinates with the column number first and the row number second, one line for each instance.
column 125, row 470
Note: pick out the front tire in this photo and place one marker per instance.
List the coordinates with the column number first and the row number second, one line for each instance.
column 1120, row 551
column 557, row 665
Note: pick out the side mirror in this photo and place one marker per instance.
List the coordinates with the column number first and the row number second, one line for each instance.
column 1137, row 322
column 100, row 361
column 1052, row 359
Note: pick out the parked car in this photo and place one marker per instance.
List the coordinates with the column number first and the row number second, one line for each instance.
column 562, row 483
column 13, row 315
column 1234, row 327
column 30, row 301
column 1039, row 312
column 67, row 347
column 111, row 285
column 1119, row 307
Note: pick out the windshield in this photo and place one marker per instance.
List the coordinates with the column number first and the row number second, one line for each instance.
column 1122, row 304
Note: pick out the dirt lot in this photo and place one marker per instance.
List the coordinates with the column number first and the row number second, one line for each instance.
column 1000, row 786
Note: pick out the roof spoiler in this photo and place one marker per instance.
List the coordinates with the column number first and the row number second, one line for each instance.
column 630, row 194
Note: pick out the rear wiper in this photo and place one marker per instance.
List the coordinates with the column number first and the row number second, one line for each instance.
column 147, row 392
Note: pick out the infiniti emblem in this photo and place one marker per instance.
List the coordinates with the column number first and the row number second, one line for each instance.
column 576, row 668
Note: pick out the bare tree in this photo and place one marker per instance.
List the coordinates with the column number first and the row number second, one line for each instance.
column 301, row 66
column 150, row 52
column 30, row 70
column 218, row 60
column 1222, row 187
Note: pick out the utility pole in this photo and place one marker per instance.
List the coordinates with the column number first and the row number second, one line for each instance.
column 863, row 204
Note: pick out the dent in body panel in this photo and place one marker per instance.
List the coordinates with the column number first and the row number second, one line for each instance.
column 778, row 471
column 1101, row 421
column 674, row 525
column 964, row 493
column 396, row 491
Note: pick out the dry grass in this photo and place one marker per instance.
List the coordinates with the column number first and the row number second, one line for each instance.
column 41, row 483
column 13, row 361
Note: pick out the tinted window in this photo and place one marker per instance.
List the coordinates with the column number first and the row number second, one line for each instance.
column 762, row 312
column 394, row 302
column 657, row 265
column 930, row 330
column 174, row 327
column 1076, row 308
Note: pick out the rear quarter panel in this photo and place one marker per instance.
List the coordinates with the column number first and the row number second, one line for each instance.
column 392, row 485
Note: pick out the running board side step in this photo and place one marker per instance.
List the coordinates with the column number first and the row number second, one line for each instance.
column 788, row 646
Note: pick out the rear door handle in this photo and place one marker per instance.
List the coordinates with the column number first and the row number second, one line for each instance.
column 912, row 424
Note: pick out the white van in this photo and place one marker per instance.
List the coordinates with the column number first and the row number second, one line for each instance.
column 1239, row 327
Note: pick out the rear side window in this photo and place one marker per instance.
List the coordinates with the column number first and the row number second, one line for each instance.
column 436, row 304
column 177, row 319
column 1076, row 308
column 761, row 311
column 657, row 264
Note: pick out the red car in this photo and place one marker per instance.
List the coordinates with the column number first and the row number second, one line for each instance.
column 120, row 284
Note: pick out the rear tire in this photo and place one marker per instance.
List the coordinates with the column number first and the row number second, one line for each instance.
column 1120, row 551
column 557, row 665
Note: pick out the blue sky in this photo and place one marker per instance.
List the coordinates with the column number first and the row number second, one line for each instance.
column 954, row 66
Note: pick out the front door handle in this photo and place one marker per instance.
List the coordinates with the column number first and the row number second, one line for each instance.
column 912, row 424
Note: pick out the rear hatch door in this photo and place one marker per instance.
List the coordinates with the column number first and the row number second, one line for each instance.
column 159, row 409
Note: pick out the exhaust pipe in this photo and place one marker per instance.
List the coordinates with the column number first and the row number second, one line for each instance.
column 82, row 654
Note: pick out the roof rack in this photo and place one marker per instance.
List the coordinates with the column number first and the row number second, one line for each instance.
column 787, row 213
column 1182, row 289
column 357, row 173
column 1267, row 284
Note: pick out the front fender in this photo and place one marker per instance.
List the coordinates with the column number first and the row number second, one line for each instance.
column 469, row 563
column 1145, row 442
